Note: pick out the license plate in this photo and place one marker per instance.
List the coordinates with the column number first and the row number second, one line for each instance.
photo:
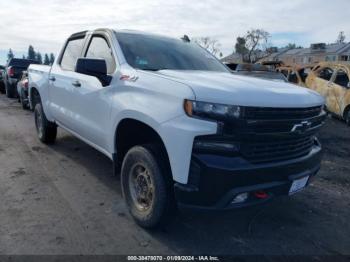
column 298, row 185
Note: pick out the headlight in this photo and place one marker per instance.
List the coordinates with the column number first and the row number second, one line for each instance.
column 211, row 110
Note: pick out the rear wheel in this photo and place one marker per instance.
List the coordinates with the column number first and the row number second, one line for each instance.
column 145, row 186
column 9, row 91
column 46, row 130
column 2, row 88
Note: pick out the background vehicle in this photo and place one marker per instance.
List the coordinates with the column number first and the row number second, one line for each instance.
column 259, row 71
column 295, row 74
column 22, row 90
column 332, row 81
column 232, row 66
column 13, row 73
column 272, row 65
column 180, row 126
column 2, row 84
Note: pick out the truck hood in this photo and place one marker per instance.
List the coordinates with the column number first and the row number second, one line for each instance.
column 232, row 89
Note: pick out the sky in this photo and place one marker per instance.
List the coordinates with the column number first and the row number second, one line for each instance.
column 46, row 24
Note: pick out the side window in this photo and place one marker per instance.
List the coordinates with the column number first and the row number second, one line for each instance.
column 72, row 53
column 304, row 73
column 99, row 48
column 293, row 77
column 325, row 73
column 341, row 78
column 285, row 73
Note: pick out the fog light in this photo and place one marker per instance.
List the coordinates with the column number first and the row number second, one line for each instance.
column 240, row 198
column 215, row 146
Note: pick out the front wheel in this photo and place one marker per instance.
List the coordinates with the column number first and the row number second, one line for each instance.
column 145, row 186
column 46, row 130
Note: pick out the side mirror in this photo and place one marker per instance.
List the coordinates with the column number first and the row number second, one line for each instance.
column 348, row 86
column 94, row 67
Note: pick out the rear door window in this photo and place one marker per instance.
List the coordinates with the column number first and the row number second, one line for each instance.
column 341, row 78
column 293, row 78
column 325, row 73
column 71, row 53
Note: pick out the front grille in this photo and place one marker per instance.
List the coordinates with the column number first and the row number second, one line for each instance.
column 268, row 113
column 277, row 150
column 272, row 134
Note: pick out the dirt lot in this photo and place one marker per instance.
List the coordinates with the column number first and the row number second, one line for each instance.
column 63, row 199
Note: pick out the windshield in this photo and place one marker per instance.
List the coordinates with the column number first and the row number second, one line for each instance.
column 148, row 52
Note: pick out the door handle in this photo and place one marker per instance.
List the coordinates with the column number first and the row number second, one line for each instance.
column 52, row 78
column 76, row 83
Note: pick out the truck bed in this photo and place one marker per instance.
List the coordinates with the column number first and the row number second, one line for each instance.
column 38, row 76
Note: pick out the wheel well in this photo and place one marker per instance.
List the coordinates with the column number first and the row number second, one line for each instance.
column 131, row 132
column 34, row 96
column 346, row 110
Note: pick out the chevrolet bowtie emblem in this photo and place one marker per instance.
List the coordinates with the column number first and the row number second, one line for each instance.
column 302, row 127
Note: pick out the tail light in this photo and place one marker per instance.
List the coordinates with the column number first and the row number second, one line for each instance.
column 11, row 71
column 25, row 83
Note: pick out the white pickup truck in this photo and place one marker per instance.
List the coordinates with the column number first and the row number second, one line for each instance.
column 180, row 128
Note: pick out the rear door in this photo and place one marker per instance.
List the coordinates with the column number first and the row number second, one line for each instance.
column 320, row 81
column 61, row 83
column 93, row 100
column 339, row 90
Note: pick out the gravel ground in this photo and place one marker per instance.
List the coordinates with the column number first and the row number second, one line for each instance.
column 63, row 199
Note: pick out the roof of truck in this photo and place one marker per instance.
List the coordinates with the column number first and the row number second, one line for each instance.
column 129, row 31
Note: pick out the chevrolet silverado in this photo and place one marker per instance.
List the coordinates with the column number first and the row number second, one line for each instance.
column 178, row 126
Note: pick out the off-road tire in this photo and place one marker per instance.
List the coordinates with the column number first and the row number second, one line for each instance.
column 46, row 130
column 152, row 158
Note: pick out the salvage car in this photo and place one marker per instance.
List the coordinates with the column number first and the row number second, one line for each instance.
column 13, row 73
column 22, row 90
column 178, row 125
column 331, row 80
column 295, row 74
column 2, row 84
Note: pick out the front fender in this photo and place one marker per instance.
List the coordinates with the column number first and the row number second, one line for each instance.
column 177, row 135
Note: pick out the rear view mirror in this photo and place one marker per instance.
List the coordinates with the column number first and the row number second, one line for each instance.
column 94, row 67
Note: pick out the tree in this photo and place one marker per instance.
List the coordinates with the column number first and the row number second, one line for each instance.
column 10, row 55
column 341, row 37
column 31, row 53
column 293, row 46
column 46, row 59
column 52, row 58
column 256, row 42
column 240, row 46
column 39, row 58
column 212, row 45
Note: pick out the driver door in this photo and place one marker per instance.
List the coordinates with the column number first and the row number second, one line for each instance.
column 322, row 84
column 339, row 90
column 93, row 100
